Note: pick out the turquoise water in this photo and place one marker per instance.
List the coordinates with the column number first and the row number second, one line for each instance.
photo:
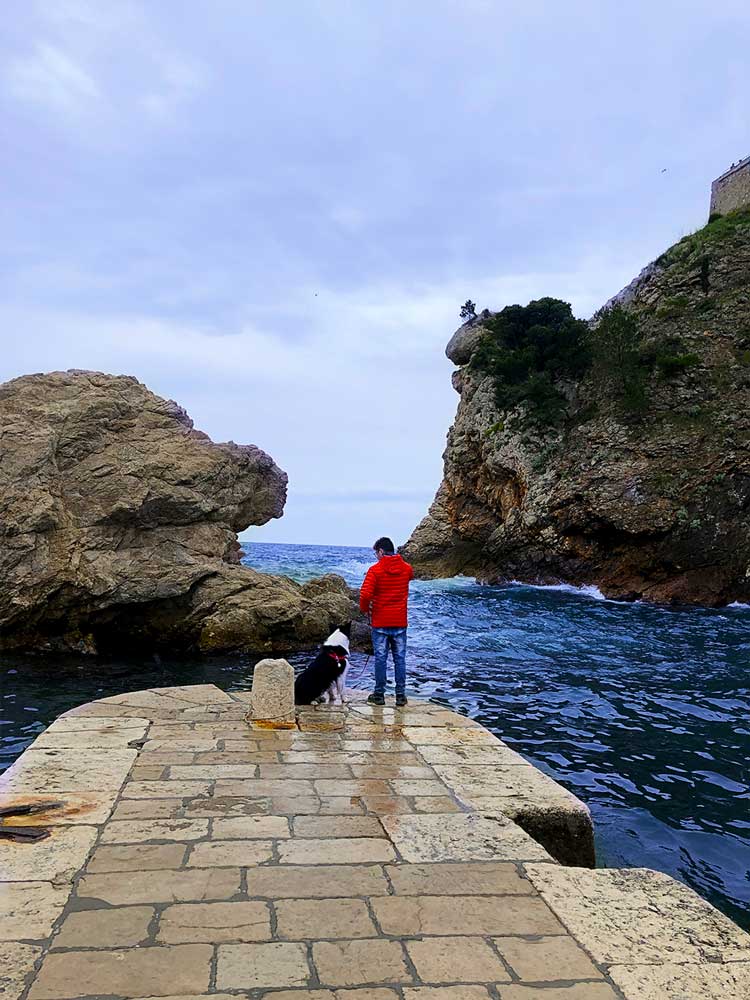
column 642, row 712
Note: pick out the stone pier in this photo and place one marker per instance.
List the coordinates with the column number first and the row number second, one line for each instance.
column 366, row 854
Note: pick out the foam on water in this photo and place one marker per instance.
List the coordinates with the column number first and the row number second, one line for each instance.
column 585, row 590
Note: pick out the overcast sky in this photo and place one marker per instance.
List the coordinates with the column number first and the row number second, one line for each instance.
column 272, row 211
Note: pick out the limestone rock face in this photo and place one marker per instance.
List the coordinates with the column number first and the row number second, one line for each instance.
column 653, row 507
column 118, row 525
column 464, row 341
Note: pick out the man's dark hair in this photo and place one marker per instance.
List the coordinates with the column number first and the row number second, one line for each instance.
column 386, row 545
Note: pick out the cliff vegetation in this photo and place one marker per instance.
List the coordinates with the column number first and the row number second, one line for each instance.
column 614, row 451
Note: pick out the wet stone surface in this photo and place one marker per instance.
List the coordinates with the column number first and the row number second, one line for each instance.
column 367, row 855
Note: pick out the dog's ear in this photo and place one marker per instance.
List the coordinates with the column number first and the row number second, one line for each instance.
column 346, row 628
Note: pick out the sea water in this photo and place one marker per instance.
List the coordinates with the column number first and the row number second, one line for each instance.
column 643, row 712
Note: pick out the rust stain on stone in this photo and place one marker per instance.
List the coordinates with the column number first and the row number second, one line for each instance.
column 263, row 724
column 26, row 832
column 38, row 811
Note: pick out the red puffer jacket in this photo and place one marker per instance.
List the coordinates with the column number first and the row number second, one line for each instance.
column 386, row 591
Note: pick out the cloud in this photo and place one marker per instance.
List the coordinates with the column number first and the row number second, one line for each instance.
column 51, row 78
column 178, row 81
column 87, row 21
column 273, row 215
column 109, row 60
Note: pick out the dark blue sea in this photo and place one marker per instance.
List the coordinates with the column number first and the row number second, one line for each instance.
column 643, row 712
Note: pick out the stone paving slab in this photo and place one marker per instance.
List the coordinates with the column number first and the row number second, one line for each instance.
column 330, row 850
column 457, row 959
column 370, row 854
column 65, row 852
column 337, row 826
column 249, row 966
column 215, row 922
column 461, row 837
column 549, row 813
column 51, row 771
column 150, row 809
column 17, row 962
column 413, row 916
column 676, row 982
column 336, row 918
column 355, row 963
column 290, row 882
column 624, row 916
column 29, row 909
column 137, row 857
column 137, row 831
column 493, row 755
column 122, row 927
column 225, row 853
column 377, row 993
column 72, row 722
column 251, row 827
column 569, row 991
column 106, row 738
column 125, row 973
column 163, row 886
column 192, row 996
column 475, row 878
column 545, row 959
column 166, row 789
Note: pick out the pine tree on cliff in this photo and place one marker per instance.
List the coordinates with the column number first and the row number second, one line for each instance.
column 468, row 311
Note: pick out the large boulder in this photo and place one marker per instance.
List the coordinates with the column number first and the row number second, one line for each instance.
column 464, row 341
column 118, row 525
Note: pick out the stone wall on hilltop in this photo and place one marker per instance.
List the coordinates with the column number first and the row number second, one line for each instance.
column 732, row 190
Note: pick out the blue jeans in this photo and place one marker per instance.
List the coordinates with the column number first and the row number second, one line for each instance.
column 394, row 639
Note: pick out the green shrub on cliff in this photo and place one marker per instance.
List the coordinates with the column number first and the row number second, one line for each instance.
column 673, row 307
column 669, row 365
column 528, row 350
column 619, row 363
column 708, row 238
column 623, row 361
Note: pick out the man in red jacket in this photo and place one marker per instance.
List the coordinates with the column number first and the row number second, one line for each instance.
column 383, row 596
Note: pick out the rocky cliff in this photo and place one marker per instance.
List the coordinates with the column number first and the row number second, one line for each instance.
column 645, row 501
column 118, row 526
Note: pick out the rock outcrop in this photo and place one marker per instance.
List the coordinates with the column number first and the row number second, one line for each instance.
column 118, row 525
column 653, row 506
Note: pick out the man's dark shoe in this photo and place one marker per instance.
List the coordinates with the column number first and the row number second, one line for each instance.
column 376, row 699
column 401, row 700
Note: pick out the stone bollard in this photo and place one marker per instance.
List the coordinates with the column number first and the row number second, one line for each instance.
column 272, row 696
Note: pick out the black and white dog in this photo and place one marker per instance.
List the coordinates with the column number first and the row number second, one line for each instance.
column 325, row 678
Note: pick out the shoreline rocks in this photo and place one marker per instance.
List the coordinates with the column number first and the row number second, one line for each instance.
column 118, row 528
